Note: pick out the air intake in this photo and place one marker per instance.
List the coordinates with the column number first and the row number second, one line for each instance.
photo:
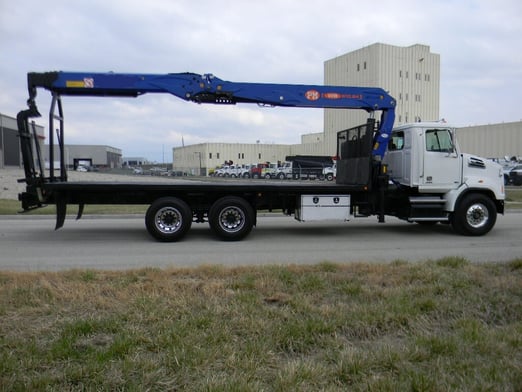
column 476, row 162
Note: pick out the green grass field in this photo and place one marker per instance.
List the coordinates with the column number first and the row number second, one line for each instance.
column 440, row 325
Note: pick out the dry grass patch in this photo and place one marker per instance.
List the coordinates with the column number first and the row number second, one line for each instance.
column 439, row 325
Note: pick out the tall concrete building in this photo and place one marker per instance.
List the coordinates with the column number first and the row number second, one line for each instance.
column 410, row 74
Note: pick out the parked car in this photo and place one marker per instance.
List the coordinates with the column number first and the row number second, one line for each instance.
column 157, row 171
column 515, row 175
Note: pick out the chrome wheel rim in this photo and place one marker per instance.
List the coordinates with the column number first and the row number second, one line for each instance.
column 232, row 219
column 477, row 215
column 168, row 220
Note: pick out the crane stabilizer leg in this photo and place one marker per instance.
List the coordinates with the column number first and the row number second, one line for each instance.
column 61, row 211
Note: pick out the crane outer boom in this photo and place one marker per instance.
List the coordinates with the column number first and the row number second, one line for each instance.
column 209, row 89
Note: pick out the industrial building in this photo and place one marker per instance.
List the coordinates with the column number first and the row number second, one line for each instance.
column 492, row 140
column 201, row 158
column 410, row 74
column 88, row 156
column 10, row 154
column 76, row 155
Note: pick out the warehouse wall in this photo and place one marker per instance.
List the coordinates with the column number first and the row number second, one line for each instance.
column 492, row 140
column 10, row 154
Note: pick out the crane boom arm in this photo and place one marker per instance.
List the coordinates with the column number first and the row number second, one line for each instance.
column 209, row 89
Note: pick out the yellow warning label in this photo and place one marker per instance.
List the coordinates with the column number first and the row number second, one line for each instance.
column 75, row 83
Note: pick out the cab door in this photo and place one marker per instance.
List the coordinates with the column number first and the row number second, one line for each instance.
column 442, row 168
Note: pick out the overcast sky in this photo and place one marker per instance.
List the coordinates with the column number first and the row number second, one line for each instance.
column 279, row 41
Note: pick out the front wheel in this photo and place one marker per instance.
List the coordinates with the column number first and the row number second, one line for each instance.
column 474, row 215
column 168, row 219
column 231, row 218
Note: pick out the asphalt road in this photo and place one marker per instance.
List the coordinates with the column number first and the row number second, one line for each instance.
column 30, row 243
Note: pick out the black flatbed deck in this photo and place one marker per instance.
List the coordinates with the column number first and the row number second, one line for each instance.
column 135, row 192
column 240, row 185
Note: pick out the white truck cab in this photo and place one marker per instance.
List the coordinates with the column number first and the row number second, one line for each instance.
column 425, row 158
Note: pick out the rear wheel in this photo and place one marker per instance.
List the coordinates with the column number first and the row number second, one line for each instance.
column 475, row 215
column 231, row 218
column 168, row 219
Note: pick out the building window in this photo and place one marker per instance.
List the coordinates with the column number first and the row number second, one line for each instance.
column 406, row 98
column 209, row 155
column 364, row 65
column 217, row 155
column 358, row 67
column 427, row 77
column 400, row 73
column 417, row 98
column 259, row 156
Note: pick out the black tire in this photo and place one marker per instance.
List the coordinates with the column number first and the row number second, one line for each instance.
column 168, row 219
column 231, row 218
column 281, row 176
column 329, row 177
column 268, row 176
column 474, row 215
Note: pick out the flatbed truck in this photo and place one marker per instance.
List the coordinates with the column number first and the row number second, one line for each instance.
column 415, row 172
